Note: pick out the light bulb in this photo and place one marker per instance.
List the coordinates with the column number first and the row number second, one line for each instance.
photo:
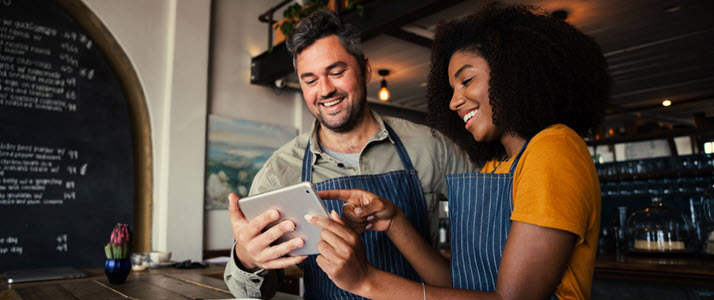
column 384, row 94
column 666, row 103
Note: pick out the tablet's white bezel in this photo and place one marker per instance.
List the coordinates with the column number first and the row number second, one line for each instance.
column 293, row 203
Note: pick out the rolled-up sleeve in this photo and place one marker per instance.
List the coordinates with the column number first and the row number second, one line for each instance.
column 259, row 284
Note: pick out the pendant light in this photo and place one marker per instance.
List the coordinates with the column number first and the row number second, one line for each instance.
column 383, row 92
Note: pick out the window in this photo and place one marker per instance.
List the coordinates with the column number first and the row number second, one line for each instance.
column 709, row 147
column 642, row 150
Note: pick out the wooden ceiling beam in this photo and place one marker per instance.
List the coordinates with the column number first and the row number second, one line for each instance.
column 411, row 37
column 384, row 16
column 619, row 109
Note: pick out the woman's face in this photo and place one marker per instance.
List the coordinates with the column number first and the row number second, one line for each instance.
column 468, row 76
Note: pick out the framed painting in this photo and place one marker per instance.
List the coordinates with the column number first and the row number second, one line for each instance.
column 236, row 150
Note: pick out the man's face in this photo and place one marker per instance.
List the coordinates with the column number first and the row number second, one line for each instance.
column 332, row 84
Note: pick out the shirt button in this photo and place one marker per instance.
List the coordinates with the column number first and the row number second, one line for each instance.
column 341, row 165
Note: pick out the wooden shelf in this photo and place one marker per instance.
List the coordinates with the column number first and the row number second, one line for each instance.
column 660, row 175
column 652, row 136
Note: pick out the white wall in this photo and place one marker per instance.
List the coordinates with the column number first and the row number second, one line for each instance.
column 237, row 36
column 167, row 42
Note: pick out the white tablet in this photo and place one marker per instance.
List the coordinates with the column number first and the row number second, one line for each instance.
column 293, row 203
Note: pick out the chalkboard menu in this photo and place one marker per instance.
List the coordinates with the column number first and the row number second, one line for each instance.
column 66, row 158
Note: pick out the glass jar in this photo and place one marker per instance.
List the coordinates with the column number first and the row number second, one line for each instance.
column 707, row 207
column 139, row 261
column 661, row 229
column 639, row 187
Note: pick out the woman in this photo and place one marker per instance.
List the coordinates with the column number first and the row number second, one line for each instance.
column 517, row 89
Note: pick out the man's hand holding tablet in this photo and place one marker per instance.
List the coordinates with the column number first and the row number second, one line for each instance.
column 270, row 229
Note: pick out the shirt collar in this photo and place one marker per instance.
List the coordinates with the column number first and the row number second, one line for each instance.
column 380, row 135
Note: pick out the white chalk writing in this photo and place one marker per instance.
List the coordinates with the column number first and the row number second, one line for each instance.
column 49, row 80
column 32, row 174
column 10, row 245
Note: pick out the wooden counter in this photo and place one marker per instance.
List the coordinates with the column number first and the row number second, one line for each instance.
column 172, row 283
column 159, row 283
column 679, row 270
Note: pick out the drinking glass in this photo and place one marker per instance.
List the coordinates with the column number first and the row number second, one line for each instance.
column 139, row 261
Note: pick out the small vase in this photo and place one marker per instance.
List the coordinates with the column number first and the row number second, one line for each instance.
column 117, row 269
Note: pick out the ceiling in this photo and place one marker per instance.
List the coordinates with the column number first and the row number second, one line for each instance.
column 656, row 50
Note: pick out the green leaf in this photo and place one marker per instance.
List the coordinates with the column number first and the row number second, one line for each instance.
column 293, row 11
column 108, row 251
column 311, row 6
column 287, row 27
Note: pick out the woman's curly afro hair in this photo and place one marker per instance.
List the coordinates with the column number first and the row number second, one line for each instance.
column 543, row 72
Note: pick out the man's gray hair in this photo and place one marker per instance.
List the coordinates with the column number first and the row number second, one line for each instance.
column 322, row 24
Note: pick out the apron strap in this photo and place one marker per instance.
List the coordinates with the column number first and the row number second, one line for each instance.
column 518, row 157
column 401, row 151
column 307, row 164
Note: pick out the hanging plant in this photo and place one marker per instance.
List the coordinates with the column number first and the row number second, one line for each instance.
column 296, row 12
column 357, row 5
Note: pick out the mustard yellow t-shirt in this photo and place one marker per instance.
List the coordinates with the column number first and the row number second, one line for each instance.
column 555, row 185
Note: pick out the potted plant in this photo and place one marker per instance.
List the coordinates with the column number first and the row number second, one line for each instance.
column 296, row 12
column 118, row 265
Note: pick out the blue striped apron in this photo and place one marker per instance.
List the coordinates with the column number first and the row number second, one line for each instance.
column 480, row 207
column 403, row 189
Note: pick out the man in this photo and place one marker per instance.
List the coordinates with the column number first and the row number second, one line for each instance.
column 350, row 146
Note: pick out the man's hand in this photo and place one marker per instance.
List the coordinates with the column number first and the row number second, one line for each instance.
column 342, row 254
column 253, row 245
column 364, row 210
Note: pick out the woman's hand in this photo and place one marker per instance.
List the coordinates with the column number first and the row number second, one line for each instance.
column 342, row 254
column 364, row 210
column 371, row 212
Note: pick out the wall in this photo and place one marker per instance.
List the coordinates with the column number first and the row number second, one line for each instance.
column 236, row 37
column 167, row 42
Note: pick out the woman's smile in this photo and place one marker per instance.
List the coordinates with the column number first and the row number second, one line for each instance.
column 468, row 116
column 469, row 76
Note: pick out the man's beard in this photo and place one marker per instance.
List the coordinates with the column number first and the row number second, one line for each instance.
column 354, row 115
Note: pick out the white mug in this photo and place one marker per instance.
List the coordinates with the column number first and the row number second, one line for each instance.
column 158, row 257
